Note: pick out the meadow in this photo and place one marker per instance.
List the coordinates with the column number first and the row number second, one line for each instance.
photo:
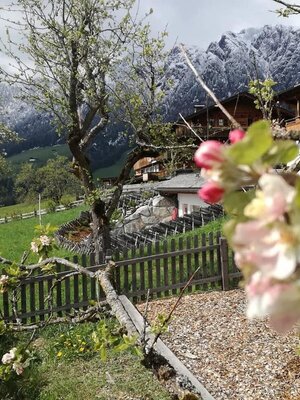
column 16, row 236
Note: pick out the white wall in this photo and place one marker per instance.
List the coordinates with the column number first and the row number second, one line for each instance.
column 188, row 200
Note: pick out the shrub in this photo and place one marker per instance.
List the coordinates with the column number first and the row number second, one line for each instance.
column 51, row 206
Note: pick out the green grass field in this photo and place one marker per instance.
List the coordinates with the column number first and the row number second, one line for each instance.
column 21, row 208
column 16, row 236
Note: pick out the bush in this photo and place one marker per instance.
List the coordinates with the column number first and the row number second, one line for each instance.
column 51, row 206
column 67, row 201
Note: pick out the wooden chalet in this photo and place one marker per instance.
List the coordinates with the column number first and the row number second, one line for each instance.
column 149, row 168
column 290, row 99
column 211, row 123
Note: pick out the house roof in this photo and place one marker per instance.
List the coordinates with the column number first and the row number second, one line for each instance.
column 182, row 183
column 245, row 95
column 289, row 94
column 204, row 110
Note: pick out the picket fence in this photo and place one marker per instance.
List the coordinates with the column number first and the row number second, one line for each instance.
column 162, row 269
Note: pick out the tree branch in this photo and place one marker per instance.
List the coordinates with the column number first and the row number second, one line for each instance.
column 190, row 128
column 209, row 91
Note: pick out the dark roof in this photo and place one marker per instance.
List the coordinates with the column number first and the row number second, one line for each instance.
column 289, row 94
column 182, row 183
column 235, row 97
column 224, row 101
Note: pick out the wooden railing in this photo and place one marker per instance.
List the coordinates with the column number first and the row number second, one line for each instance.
column 162, row 268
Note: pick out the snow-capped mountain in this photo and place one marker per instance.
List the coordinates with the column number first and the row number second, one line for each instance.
column 229, row 64
column 226, row 66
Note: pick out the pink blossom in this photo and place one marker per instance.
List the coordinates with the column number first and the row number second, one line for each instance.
column 4, row 279
column 209, row 154
column 273, row 200
column 279, row 300
column 211, row 192
column 272, row 250
column 236, row 135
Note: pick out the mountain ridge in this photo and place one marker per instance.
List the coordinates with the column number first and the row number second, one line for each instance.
column 226, row 65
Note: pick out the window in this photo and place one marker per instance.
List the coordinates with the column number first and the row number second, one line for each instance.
column 184, row 209
column 211, row 122
column 152, row 168
column 221, row 122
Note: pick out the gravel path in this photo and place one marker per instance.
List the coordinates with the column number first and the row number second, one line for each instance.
column 235, row 359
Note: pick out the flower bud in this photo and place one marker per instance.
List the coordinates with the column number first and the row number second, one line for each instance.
column 211, row 192
column 236, row 135
column 208, row 154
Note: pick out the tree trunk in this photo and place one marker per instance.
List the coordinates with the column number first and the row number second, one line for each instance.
column 100, row 221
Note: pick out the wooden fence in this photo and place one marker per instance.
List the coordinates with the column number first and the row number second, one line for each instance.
column 162, row 268
column 36, row 213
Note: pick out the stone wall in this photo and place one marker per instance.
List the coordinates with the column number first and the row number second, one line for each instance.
column 158, row 210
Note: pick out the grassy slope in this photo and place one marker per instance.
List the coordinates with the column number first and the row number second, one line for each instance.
column 15, row 237
column 21, row 208
column 42, row 154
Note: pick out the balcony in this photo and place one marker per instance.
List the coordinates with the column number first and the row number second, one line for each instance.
column 293, row 124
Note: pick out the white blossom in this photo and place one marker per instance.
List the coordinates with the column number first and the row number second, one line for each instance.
column 45, row 240
column 18, row 368
column 34, row 247
column 10, row 356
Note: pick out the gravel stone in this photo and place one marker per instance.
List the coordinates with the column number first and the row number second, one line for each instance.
column 234, row 358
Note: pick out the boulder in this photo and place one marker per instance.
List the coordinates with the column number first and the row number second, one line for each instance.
column 161, row 201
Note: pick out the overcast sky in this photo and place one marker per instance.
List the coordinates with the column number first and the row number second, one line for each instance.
column 198, row 22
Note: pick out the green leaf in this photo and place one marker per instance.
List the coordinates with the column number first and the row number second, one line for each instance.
column 229, row 229
column 282, row 151
column 121, row 347
column 256, row 143
column 235, row 202
column 103, row 353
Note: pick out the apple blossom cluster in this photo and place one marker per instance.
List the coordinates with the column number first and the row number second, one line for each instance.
column 264, row 205
column 45, row 243
column 42, row 241
column 13, row 361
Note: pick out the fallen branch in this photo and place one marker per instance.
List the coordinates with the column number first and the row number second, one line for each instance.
column 112, row 298
column 81, row 317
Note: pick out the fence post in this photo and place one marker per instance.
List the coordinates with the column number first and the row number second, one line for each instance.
column 224, row 263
